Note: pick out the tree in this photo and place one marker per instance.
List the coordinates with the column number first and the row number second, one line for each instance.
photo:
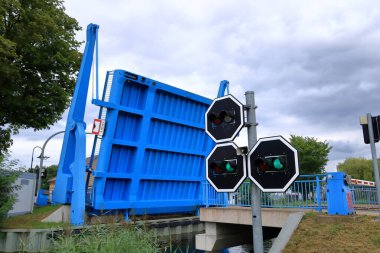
column 38, row 61
column 7, row 177
column 359, row 168
column 313, row 154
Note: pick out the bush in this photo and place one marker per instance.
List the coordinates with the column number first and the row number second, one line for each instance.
column 7, row 177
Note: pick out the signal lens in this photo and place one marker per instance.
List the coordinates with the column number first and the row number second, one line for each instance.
column 226, row 117
column 229, row 167
column 215, row 119
column 261, row 164
column 278, row 164
column 216, row 168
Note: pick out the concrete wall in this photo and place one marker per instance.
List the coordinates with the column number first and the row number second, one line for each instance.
column 62, row 214
column 271, row 217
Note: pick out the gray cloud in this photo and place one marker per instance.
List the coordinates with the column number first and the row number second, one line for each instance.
column 313, row 66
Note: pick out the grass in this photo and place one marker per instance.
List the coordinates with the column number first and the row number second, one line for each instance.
column 115, row 236
column 106, row 238
column 32, row 220
column 359, row 234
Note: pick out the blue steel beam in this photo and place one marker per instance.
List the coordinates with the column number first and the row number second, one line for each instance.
column 70, row 181
column 224, row 85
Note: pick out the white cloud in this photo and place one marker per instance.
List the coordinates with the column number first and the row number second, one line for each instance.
column 312, row 64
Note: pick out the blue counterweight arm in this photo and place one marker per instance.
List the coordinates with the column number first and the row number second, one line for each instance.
column 70, row 181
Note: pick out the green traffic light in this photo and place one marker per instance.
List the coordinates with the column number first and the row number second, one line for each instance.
column 277, row 164
column 229, row 168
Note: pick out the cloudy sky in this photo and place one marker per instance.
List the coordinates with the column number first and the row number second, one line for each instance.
column 314, row 65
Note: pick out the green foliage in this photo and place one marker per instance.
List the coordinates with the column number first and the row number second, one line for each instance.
column 7, row 177
column 107, row 238
column 313, row 154
column 38, row 61
column 359, row 168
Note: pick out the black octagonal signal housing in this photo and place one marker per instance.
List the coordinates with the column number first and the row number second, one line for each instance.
column 273, row 164
column 224, row 119
column 226, row 167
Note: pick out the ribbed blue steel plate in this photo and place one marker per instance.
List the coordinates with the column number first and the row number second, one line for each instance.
column 152, row 155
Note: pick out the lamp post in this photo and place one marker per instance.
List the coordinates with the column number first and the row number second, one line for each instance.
column 31, row 163
column 42, row 157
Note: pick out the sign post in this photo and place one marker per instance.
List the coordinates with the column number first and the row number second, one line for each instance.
column 374, row 159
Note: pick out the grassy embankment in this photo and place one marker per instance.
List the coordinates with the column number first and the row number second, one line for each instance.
column 123, row 237
column 319, row 233
column 33, row 220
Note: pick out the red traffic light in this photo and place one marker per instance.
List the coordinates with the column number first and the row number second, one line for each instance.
column 261, row 164
column 216, row 168
column 215, row 119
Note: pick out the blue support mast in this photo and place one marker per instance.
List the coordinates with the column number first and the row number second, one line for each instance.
column 223, row 87
column 71, row 175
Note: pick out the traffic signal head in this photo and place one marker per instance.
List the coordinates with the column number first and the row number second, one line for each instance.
column 221, row 117
column 375, row 127
column 277, row 163
column 224, row 167
column 224, row 119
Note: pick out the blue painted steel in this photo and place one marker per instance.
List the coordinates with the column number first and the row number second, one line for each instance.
column 339, row 195
column 152, row 155
column 70, row 187
column 223, row 87
column 42, row 198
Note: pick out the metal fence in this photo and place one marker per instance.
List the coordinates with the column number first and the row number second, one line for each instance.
column 309, row 192
column 364, row 197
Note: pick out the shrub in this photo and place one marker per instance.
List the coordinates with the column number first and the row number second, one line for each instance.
column 7, row 190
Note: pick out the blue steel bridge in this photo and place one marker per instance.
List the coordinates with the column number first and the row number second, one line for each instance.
column 151, row 157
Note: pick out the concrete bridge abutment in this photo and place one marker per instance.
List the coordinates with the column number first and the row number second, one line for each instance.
column 232, row 226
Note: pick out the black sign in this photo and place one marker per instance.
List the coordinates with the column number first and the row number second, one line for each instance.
column 273, row 164
column 225, row 167
column 224, row 119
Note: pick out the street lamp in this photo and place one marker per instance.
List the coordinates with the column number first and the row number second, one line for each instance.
column 42, row 157
column 31, row 164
